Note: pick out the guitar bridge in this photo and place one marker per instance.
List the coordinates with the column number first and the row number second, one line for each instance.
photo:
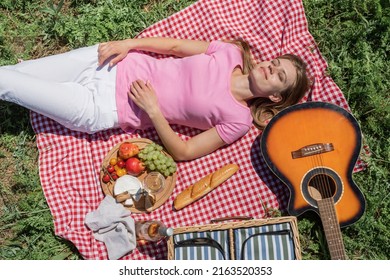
column 313, row 149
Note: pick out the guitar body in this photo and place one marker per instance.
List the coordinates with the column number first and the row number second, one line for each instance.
column 313, row 147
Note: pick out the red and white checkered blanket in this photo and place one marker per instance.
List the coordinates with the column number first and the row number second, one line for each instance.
column 69, row 162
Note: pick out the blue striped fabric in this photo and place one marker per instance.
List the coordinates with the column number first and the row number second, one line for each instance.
column 268, row 242
column 202, row 252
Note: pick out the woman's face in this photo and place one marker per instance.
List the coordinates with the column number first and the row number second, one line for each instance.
column 270, row 78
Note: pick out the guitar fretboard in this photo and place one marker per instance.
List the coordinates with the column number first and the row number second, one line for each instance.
column 331, row 228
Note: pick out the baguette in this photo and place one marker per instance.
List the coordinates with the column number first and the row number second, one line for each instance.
column 204, row 186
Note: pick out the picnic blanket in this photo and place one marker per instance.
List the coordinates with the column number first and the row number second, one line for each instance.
column 69, row 161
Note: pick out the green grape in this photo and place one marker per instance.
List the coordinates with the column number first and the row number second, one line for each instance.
column 172, row 170
column 155, row 160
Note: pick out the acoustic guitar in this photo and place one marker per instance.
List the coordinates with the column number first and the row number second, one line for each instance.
column 312, row 148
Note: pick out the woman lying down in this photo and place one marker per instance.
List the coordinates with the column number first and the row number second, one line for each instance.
column 211, row 86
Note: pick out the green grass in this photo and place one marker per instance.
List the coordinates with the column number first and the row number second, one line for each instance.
column 352, row 35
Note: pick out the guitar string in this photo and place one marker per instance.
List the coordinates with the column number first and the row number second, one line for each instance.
column 319, row 182
column 318, row 165
column 314, row 164
column 325, row 185
column 326, row 181
column 320, row 176
column 325, row 193
column 338, row 247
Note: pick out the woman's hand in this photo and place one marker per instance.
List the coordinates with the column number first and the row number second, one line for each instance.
column 114, row 51
column 202, row 144
column 144, row 96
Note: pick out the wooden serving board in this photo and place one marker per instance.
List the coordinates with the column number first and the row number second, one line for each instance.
column 161, row 197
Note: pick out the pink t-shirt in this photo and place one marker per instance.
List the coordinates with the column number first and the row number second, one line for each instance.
column 192, row 91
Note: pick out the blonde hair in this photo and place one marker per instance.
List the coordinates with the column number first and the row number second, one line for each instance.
column 263, row 109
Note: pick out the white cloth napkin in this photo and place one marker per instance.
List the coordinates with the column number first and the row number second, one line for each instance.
column 111, row 223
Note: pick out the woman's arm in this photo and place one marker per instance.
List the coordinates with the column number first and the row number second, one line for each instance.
column 202, row 144
column 115, row 51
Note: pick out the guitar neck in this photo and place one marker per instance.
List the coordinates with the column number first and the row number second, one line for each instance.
column 332, row 229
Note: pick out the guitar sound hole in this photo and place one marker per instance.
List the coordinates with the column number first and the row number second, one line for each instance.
column 321, row 186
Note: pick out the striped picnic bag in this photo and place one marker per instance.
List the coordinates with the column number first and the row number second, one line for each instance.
column 263, row 239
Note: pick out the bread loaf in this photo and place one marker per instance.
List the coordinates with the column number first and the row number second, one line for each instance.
column 204, row 186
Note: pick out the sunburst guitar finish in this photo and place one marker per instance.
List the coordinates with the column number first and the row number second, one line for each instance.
column 313, row 148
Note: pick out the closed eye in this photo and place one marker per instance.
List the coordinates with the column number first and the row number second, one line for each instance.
column 282, row 74
column 275, row 62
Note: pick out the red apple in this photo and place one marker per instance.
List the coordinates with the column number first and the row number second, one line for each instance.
column 127, row 150
column 134, row 166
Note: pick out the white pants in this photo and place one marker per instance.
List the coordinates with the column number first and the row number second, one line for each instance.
column 69, row 88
